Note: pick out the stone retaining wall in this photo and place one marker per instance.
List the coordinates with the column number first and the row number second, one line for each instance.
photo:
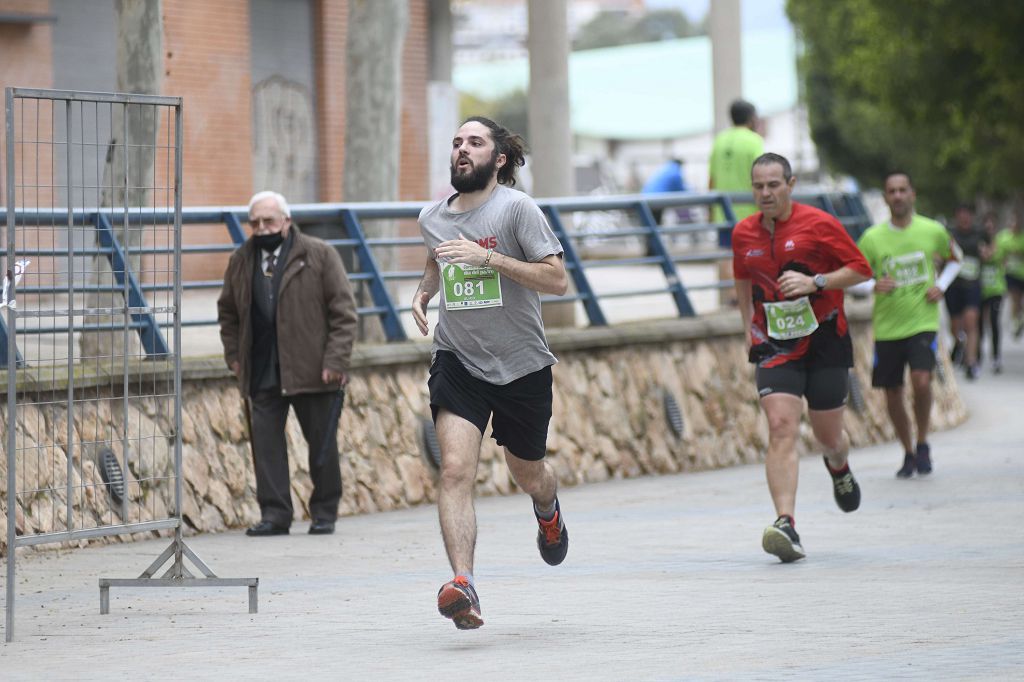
column 609, row 422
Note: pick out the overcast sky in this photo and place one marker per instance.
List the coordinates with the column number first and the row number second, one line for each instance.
column 756, row 13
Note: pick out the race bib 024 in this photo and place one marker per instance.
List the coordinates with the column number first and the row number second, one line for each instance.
column 470, row 286
column 790, row 319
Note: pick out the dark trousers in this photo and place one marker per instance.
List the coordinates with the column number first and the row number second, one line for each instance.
column 270, row 455
column 990, row 311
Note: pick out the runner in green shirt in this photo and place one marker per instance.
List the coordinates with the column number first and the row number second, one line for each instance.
column 1010, row 252
column 732, row 156
column 902, row 252
column 993, row 286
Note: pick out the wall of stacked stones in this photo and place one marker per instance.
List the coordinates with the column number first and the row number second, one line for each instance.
column 610, row 422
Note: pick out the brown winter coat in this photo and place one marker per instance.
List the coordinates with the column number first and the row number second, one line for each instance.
column 316, row 314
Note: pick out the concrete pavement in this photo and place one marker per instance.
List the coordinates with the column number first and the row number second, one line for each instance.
column 665, row 580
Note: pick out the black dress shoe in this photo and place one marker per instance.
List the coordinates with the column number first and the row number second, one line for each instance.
column 321, row 528
column 266, row 528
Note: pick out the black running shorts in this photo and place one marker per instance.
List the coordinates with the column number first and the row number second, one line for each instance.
column 891, row 357
column 521, row 409
column 825, row 388
column 962, row 295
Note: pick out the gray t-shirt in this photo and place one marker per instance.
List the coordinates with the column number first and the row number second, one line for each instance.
column 497, row 343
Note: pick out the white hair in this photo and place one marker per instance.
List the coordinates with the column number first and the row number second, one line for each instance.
column 281, row 203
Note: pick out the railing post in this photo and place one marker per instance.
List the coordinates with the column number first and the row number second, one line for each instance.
column 656, row 246
column 152, row 339
column 234, row 228
column 579, row 278
column 393, row 329
column 827, row 205
column 3, row 347
column 727, row 210
column 860, row 211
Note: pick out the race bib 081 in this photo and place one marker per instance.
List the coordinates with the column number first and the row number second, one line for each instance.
column 470, row 286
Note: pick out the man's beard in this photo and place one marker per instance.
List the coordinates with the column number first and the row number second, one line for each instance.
column 900, row 211
column 476, row 180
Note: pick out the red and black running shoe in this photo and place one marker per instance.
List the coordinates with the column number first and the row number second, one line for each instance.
column 457, row 600
column 552, row 537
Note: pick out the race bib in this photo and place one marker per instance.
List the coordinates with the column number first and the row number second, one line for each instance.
column 470, row 286
column 970, row 268
column 790, row 319
column 909, row 269
column 989, row 276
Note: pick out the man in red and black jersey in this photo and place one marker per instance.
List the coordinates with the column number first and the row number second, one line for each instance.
column 791, row 263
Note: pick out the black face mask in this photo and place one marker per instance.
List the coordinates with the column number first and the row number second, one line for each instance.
column 268, row 242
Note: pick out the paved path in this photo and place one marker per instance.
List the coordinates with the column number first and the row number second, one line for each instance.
column 665, row 579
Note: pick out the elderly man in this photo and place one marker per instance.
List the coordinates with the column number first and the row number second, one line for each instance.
column 287, row 321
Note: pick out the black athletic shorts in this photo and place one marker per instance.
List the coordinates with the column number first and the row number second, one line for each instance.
column 825, row 388
column 1014, row 283
column 891, row 357
column 961, row 296
column 521, row 409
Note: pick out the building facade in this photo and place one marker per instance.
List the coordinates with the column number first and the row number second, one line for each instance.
column 263, row 83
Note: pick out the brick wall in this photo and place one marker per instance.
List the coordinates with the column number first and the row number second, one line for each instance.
column 414, row 181
column 207, row 62
column 25, row 61
column 206, row 57
column 330, row 27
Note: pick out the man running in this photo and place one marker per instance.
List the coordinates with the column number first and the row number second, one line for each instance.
column 902, row 252
column 791, row 263
column 963, row 296
column 1009, row 250
column 492, row 253
column 993, row 288
column 732, row 154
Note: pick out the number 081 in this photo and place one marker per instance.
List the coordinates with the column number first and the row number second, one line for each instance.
column 468, row 288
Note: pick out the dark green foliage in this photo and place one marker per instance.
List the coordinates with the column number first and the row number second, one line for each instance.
column 609, row 29
column 510, row 110
column 932, row 86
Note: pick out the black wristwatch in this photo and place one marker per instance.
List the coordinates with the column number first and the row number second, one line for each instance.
column 820, row 281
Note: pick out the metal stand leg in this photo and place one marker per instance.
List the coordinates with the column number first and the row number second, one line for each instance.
column 178, row 575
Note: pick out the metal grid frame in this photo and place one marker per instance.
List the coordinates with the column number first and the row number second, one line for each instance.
column 99, row 379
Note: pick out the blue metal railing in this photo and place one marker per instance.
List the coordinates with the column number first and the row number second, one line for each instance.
column 347, row 222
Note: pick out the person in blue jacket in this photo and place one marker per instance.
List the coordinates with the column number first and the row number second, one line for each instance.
column 668, row 178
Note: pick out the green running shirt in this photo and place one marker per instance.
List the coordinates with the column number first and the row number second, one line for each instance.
column 907, row 255
column 732, row 155
column 1010, row 252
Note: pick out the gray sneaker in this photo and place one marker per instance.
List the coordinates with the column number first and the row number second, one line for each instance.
column 781, row 539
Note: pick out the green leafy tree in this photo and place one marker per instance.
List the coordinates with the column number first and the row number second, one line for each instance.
column 509, row 111
column 610, row 29
column 932, row 86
